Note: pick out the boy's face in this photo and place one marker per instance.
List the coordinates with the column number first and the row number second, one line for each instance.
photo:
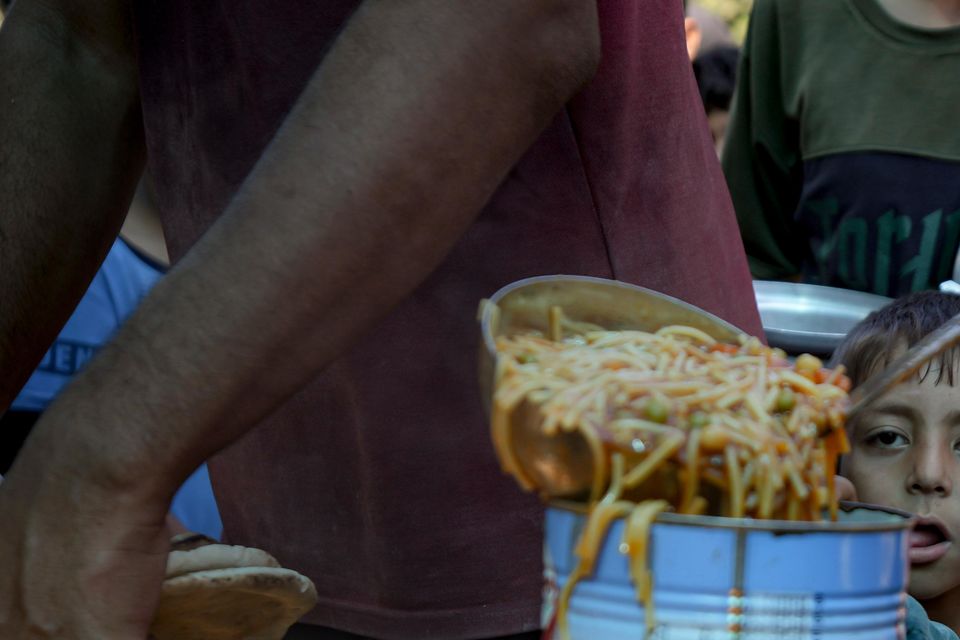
column 905, row 453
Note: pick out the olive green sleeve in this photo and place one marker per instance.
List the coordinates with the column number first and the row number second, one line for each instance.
column 761, row 158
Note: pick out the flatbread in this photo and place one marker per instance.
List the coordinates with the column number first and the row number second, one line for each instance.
column 189, row 541
column 247, row 603
column 217, row 556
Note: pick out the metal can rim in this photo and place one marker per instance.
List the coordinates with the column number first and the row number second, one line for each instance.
column 896, row 520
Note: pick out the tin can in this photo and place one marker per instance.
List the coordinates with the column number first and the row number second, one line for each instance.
column 738, row 579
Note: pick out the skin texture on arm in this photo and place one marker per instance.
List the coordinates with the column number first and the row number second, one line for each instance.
column 71, row 152
column 395, row 145
column 399, row 139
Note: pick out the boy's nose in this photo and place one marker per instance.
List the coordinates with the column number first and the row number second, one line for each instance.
column 933, row 472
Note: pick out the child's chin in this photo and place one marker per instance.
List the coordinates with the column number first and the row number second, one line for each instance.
column 929, row 581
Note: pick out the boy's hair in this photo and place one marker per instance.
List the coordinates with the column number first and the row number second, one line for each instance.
column 883, row 335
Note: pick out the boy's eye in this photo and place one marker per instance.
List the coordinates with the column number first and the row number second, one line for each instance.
column 887, row 439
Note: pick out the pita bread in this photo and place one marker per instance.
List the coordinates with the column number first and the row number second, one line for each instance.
column 247, row 603
column 217, row 556
column 189, row 541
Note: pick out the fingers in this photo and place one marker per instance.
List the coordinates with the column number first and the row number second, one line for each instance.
column 176, row 527
column 845, row 489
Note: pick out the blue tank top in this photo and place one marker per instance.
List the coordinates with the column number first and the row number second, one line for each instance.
column 121, row 283
column 123, row 280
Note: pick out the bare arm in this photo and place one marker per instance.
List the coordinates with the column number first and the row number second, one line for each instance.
column 397, row 142
column 71, row 149
column 401, row 136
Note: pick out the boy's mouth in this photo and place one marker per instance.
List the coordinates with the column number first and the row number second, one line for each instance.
column 929, row 540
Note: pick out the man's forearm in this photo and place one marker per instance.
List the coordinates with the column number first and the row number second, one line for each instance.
column 400, row 138
column 71, row 149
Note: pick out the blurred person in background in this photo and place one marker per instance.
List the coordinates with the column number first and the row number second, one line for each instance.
column 842, row 157
column 705, row 30
column 715, row 56
column 340, row 184
column 716, row 73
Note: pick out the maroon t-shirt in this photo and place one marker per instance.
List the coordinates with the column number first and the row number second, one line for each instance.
column 379, row 480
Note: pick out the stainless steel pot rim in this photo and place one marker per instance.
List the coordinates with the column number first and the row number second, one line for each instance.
column 801, row 317
column 488, row 312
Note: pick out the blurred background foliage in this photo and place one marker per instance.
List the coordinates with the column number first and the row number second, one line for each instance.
column 734, row 12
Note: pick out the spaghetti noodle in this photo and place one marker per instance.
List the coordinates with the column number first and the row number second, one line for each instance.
column 675, row 420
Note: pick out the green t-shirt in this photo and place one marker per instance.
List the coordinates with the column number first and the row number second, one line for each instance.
column 843, row 154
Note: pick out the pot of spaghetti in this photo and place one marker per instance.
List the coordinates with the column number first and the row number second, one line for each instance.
column 688, row 471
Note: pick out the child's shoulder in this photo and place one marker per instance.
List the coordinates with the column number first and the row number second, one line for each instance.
column 920, row 627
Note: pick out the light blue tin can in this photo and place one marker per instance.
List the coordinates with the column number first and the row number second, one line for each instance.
column 732, row 579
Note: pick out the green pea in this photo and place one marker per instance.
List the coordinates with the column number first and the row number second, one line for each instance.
column 698, row 419
column 786, row 399
column 657, row 410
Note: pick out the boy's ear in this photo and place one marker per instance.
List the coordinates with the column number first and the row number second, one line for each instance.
column 694, row 36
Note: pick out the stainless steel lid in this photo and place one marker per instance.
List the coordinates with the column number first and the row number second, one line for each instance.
column 806, row 318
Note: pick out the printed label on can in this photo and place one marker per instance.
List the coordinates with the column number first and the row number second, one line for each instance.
column 686, row 633
column 786, row 616
column 758, row 616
